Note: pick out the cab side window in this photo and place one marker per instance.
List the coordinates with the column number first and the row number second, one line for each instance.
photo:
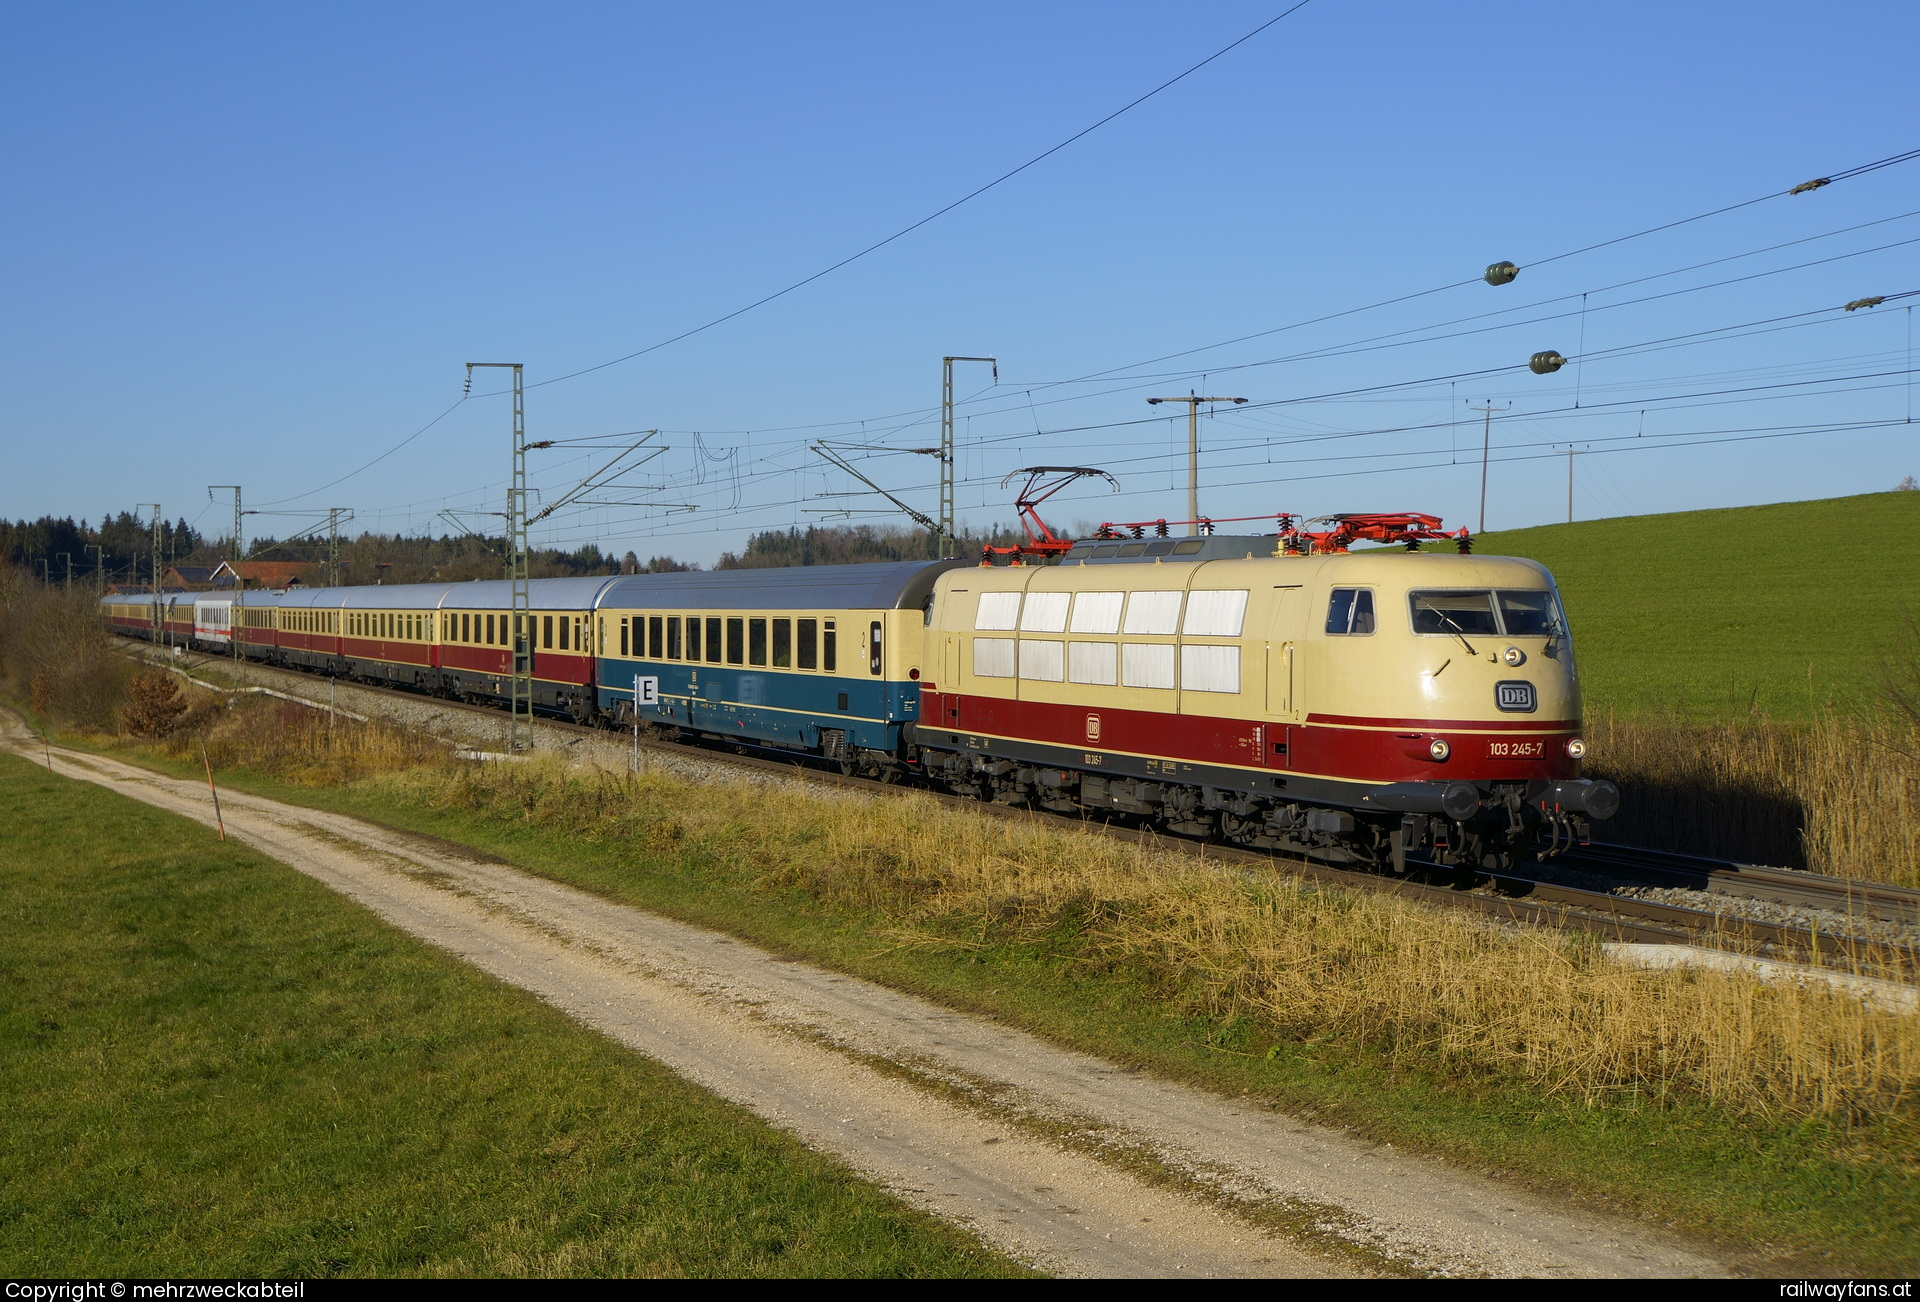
column 1350, row 612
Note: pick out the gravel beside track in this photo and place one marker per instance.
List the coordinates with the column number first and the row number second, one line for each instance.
column 1035, row 1148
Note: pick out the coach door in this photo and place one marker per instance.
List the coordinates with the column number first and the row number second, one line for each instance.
column 1281, row 688
column 950, row 684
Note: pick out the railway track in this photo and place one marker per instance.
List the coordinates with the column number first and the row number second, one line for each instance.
column 1661, row 868
column 1508, row 896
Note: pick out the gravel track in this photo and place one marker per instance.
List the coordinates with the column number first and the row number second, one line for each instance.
column 1059, row 1158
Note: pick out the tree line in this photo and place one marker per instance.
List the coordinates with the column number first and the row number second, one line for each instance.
column 124, row 552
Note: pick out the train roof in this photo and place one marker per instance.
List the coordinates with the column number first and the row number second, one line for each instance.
column 893, row 585
column 1131, row 551
column 542, row 594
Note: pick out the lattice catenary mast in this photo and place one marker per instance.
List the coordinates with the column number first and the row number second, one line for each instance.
column 520, row 724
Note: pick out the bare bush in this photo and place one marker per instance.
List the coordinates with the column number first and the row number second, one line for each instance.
column 55, row 652
column 153, row 705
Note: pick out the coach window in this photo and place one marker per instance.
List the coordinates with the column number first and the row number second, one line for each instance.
column 736, row 641
column 873, row 647
column 713, row 641
column 783, row 644
column 623, row 636
column 809, row 644
column 1350, row 612
column 673, row 637
column 693, row 638
column 546, row 632
column 757, row 641
column 466, row 629
column 830, row 650
column 656, row 637
column 489, row 637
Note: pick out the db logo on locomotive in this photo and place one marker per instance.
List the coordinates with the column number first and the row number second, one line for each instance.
column 1514, row 697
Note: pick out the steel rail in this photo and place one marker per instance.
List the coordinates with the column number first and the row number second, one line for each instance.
column 1662, row 868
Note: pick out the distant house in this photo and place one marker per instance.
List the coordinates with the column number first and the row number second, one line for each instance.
column 268, row 574
column 197, row 577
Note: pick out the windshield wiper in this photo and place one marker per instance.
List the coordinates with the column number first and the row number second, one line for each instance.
column 1457, row 631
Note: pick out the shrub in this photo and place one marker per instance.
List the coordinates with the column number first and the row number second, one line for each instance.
column 54, row 651
column 154, row 706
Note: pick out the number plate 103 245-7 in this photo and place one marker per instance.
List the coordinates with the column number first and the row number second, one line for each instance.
column 1516, row 749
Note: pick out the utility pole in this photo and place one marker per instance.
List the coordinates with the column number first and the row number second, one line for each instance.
column 236, row 613
column 520, row 725
column 1193, row 402
column 947, row 541
column 1486, row 450
column 99, row 568
column 153, row 619
column 1569, row 485
column 68, row 558
column 336, row 516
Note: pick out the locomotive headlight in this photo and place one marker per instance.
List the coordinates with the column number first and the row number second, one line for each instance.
column 1439, row 750
column 1514, row 656
column 1576, row 748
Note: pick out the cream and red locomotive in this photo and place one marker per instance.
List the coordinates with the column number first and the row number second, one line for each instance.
column 1358, row 706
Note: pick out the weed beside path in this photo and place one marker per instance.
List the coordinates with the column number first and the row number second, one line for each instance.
column 213, row 1066
column 1736, row 1111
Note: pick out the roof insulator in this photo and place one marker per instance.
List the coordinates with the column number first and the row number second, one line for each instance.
column 1814, row 184
column 1501, row 273
column 1858, row 303
column 1546, row 363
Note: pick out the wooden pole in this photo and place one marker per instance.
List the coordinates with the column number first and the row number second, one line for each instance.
column 220, row 822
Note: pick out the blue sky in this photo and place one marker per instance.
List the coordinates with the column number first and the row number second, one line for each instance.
column 257, row 244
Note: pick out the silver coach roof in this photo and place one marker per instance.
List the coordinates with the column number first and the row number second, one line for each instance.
column 542, row 594
column 894, row 585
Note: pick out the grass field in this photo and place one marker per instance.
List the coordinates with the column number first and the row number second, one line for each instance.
column 1175, row 972
column 212, row 1066
column 1704, row 614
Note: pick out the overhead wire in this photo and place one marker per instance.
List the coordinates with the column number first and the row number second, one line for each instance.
column 1844, row 174
column 933, row 216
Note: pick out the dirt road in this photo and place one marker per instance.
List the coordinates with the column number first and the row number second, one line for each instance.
column 1064, row 1160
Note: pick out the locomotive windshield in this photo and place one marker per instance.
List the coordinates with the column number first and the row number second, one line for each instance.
column 1516, row 612
column 1448, row 613
column 1531, row 612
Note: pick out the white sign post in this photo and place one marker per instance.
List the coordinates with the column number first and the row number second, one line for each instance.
column 646, row 691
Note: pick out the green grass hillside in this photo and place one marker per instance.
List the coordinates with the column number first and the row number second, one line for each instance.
column 212, row 1066
column 1785, row 607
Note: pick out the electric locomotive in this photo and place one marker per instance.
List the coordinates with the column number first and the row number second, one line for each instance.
column 1355, row 706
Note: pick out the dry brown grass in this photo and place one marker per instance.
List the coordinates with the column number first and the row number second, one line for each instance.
column 1839, row 795
column 1431, row 988
column 295, row 743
